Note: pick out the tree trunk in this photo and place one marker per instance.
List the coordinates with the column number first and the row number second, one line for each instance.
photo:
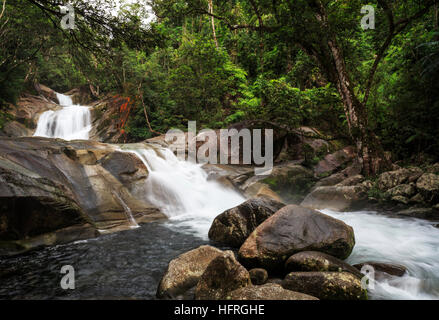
column 213, row 23
column 370, row 151
column 369, row 148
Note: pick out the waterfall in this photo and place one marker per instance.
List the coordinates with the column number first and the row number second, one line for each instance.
column 182, row 191
column 72, row 122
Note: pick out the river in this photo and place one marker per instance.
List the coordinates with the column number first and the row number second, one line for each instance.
column 129, row 264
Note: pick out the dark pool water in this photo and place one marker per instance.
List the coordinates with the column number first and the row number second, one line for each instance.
column 124, row 265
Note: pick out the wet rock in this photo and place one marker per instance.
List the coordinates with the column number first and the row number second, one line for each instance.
column 184, row 271
column 339, row 198
column 428, row 187
column 389, row 268
column 269, row 291
column 294, row 229
column 258, row 276
column 223, row 275
column 233, row 226
column 326, row 285
column 318, row 261
column 391, row 179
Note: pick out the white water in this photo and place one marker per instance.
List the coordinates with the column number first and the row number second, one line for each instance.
column 413, row 243
column 183, row 192
column 72, row 122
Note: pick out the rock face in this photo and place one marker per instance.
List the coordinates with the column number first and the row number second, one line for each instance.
column 318, row 261
column 233, row 226
column 269, row 291
column 51, row 184
column 223, row 275
column 339, row 198
column 184, row 271
column 326, row 285
column 294, row 229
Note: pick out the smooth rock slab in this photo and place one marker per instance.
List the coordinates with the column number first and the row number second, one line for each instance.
column 326, row 285
column 291, row 230
column 184, row 271
column 269, row 291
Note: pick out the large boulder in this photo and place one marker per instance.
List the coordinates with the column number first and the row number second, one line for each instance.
column 294, row 229
column 184, row 271
column 318, row 261
column 428, row 186
column 223, row 275
column 326, row 285
column 269, row 291
column 339, row 198
column 233, row 226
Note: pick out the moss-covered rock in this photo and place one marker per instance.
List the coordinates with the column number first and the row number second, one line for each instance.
column 326, row 285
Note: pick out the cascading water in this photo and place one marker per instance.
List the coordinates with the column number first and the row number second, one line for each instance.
column 413, row 243
column 72, row 122
column 182, row 191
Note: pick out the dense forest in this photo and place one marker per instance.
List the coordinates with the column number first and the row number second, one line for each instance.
column 289, row 63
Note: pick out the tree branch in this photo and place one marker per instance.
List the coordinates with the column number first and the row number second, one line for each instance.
column 394, row 29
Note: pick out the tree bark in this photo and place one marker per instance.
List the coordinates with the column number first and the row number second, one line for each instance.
column 370, row 152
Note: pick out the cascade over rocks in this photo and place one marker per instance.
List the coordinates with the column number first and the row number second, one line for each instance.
column 233, row 226
column 294, row 229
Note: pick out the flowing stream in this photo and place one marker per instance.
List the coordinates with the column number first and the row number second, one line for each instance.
column 129, row 264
